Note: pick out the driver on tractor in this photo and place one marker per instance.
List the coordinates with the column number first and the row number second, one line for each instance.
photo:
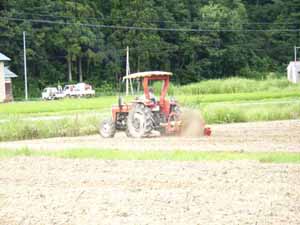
column 151, row 95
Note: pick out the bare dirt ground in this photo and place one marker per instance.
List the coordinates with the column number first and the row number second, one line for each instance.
column 64, row 191
column 69, row 192
column 258, row 136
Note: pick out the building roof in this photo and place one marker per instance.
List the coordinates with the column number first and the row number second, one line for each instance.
column 9, row 74
column 147, row 74
column 4, row 57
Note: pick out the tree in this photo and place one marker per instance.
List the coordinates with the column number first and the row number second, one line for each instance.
column 76, row 40
column 237, row 37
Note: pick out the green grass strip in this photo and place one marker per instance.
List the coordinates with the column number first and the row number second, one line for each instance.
column 265, row 157
column 191, row 100
column 105, row 102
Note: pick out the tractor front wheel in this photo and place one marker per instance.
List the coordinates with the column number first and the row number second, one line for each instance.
column 107, row 128
column 139, row 122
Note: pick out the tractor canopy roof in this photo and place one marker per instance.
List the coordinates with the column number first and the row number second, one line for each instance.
column 147, row 74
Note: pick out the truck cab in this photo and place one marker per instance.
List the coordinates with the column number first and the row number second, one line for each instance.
column 49, row 93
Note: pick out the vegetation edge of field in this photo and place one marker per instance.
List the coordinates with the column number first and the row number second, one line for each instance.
column 266, row 100
column 104, row 154
column 16, row 128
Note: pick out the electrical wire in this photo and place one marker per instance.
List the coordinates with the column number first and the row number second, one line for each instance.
column 155, row 21
column 120, row 27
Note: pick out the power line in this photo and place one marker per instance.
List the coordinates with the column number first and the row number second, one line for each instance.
column 156, row 21
column 121, row 27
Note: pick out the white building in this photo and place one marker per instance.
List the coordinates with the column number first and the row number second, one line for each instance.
column 5, row 80
column 293, row 72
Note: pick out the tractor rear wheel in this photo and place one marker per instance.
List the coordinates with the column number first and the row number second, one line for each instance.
column 107, row 128
column 139, row 122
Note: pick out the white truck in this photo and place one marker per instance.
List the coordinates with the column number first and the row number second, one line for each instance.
column 51, row 93
column 72, row 90
column 79, row 90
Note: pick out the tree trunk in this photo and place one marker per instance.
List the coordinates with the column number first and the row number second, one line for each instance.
column 69, row 59
column 138, row 63
column 80, row 69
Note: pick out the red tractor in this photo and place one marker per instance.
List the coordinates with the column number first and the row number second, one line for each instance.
column 145, row 115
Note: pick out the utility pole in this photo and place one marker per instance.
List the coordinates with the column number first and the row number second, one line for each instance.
column 295, row 52
column 25, row 66
column 127, row 70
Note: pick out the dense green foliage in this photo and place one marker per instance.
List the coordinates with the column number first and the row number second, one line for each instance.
column 197, row 40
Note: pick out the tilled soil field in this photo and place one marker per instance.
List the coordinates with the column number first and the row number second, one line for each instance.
column 64, row 191
column 258, row 136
